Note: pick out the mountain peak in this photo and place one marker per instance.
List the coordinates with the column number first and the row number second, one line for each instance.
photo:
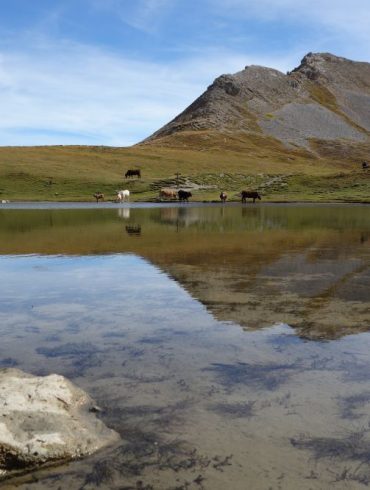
column 311, row 58
column 325, row 99
column 316, row 65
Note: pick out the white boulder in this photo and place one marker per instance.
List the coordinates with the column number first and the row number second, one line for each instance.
column 45, row 420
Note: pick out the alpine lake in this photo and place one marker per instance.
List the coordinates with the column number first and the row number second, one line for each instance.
column 229, row 345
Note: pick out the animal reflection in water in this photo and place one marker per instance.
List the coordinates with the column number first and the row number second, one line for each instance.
column 99, row 196
column 124, row 213
column 133, row 230
column 252, row 194
column 123, row 195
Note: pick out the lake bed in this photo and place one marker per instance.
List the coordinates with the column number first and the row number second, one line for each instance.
column 228, row 345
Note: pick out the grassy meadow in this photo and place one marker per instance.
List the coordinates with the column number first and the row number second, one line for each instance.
column 208, row 165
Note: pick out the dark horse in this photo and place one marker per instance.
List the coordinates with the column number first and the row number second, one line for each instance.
column 132, row 173
column 252, row 194
column 184, row 195
column 98, row 196
column 223, row 196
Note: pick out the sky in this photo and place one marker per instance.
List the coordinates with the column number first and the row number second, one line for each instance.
column 111, row 72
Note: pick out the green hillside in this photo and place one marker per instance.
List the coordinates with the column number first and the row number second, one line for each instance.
column 74, row 173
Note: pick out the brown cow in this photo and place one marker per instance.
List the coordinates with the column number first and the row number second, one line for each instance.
column 223, row 196
column 167, row 193
column 252, row 194
column 98, row 196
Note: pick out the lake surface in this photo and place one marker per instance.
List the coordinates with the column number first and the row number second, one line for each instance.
column 228, row 345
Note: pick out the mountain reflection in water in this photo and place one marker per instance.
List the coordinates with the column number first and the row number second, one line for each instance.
column 307, row 266
column 125, row 301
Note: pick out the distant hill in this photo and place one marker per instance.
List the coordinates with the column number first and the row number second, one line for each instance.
column 321, row 108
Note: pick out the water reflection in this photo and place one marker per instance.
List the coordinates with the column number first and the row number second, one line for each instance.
column 124, row 213
column 254, row 266
column 200, row 403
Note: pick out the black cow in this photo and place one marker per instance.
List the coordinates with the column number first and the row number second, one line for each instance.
column 132, row 173
column 365, row 165
column 252, row 194
column 184, row 195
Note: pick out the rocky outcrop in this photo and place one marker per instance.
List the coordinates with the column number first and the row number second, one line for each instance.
column 326, row 98
column 45, row 420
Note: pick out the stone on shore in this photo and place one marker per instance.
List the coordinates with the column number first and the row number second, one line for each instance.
column 45, row 420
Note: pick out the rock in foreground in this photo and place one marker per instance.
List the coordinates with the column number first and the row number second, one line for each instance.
column 45, row 420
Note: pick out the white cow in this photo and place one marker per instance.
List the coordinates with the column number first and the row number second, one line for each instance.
column 123, row 195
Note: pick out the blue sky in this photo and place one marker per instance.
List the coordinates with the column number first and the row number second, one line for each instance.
column 110, row 72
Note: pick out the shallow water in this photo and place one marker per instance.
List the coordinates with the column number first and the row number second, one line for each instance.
column 228, row 345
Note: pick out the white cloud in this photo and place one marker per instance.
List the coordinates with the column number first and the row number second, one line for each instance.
column 340, row 16
column 145, row 15
column 76, row 89
column 72, row 93
column 150, row 11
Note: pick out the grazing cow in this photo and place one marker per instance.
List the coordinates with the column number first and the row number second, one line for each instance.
column 132, row 173
column 365, row 165
column 167, row 193
column 184, row 195
column 252, row 194
column 223, row 196
column 123, row 195
column 98, row 196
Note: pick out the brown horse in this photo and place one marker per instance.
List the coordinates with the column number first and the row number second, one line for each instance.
column 98, row 196
column 252, row 194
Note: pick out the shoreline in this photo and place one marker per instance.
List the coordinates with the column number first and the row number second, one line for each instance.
column 149, row 204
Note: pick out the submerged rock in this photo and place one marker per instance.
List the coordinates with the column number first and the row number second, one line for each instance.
column 45, row 420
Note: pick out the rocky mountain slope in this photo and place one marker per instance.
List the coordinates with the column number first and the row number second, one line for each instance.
column 321, row 107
